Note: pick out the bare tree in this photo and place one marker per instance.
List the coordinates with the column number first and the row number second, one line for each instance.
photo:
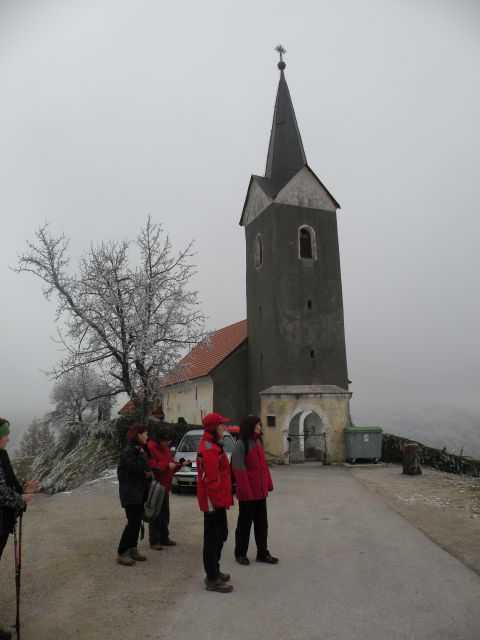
column 131, row 322
column 80, row 395
column 37, row 438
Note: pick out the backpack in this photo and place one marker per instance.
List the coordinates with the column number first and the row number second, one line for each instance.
column 153, row 502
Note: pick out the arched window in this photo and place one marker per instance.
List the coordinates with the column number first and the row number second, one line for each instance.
column 258, row 251
column 306, row 243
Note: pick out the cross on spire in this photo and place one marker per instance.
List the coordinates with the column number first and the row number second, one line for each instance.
column 281, row 50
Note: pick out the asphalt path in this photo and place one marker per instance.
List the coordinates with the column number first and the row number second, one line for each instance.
column 350, row 568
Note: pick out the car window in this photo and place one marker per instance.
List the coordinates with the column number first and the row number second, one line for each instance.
column 189, row 443
column 228, row 444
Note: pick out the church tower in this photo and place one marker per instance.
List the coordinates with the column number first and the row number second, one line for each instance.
column 295, row 321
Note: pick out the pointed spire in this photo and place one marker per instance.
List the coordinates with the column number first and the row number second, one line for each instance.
column 286, row 155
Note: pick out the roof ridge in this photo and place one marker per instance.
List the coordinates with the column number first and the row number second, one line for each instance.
column 204, row 357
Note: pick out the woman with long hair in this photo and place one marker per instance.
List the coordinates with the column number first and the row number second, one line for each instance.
column 253, row 483
column 214, row 492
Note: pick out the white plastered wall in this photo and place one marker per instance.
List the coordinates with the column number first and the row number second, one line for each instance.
column 191, row 400
column 303, row 190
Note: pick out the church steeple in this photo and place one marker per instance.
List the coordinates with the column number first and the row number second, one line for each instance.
column 295, row 324
column 286, row 159
column 286, row 155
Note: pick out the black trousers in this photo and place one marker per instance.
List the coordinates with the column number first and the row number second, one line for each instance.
column 3, row 542
column 251, row 511
column 131, row 532
column 215, row 533
column 158, row 532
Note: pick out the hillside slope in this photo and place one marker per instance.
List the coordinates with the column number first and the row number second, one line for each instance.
column 83, row 453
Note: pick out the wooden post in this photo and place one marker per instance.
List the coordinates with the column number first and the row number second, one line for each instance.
column 411, row 463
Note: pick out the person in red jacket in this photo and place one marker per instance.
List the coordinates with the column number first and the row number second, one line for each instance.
column 214, row 492
column 253, row 483
column 163, row 466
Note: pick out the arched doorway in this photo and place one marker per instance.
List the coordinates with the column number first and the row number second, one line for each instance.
column 307, row 437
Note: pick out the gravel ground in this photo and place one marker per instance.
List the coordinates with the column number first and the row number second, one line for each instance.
column 444, row 506
column 95, row 597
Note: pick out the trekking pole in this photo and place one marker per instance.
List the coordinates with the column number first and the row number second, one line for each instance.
column 17, row 545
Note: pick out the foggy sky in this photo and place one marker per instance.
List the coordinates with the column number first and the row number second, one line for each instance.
column 113, row 110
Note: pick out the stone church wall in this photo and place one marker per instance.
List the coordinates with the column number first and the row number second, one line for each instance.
column 230, row 385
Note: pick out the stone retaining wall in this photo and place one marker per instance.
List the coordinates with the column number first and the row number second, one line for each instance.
column 392, row 451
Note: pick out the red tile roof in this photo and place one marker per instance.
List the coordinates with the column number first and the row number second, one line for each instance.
column 207, row 355
column 157, row 412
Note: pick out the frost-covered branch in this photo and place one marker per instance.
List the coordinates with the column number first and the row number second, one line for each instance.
column 132, row 322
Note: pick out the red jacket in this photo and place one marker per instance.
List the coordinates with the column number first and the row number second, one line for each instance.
column 214, row 485
column 252, row 475
column 159, row 460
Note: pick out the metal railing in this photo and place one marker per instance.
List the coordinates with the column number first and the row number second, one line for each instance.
column 302, row 453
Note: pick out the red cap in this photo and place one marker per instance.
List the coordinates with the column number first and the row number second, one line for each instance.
column 212, row 420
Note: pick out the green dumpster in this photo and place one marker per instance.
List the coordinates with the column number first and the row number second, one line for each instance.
column 363, row 443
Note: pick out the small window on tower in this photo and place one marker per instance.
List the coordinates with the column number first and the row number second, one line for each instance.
column 270, row 421
column 258, row 251
column 306, row 243
column 261, row 358
column 312, row 353
column 309, row 304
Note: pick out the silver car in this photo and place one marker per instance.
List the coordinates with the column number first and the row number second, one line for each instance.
column 188, row 447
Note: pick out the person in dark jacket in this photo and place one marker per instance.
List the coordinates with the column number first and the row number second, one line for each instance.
column 163, row 467
column 253, row 483
column 133, row 473
column 214, row 492
column 13, row 497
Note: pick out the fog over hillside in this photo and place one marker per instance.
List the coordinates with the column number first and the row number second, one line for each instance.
column 437, row 426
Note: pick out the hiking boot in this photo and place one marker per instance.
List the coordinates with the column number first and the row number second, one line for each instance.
column 136, row 555
column 169, row 543
column 125, row 559
column 269, row 559
column 218, row 585
column 224, row 577
column 242, row 560
column 4, row 634
column 156, row 547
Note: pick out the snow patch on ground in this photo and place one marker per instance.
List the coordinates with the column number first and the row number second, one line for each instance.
column 433, row 501
column 107, row 475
